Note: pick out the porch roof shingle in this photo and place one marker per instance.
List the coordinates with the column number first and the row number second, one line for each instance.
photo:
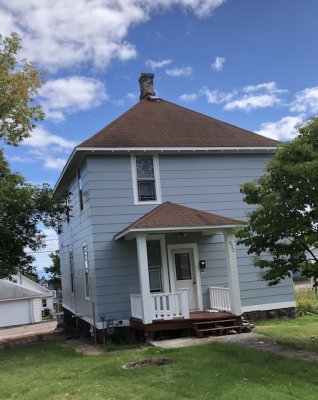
column 170, row 215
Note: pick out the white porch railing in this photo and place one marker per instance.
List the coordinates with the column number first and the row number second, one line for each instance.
column 220, row 298
column 163, row 305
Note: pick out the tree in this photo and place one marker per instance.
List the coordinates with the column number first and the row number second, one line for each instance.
column 55, row 271
column 284, row 225
column 22, row 207
column 18, row 86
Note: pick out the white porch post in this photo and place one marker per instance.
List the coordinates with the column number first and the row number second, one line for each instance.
column 144, row 278
column 232, row 272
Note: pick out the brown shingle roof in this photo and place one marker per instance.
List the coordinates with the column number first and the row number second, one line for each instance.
column 171, row 215
column 163, row 124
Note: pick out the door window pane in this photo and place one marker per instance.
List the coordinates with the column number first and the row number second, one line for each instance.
column 183, row 266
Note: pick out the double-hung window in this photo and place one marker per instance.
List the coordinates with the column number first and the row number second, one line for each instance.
column 146, row 179
column 86, row 271
column 72, row 271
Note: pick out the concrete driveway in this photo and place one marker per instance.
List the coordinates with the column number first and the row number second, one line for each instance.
column 25, row 330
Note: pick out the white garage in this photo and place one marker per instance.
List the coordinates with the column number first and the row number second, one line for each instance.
column 18, row 305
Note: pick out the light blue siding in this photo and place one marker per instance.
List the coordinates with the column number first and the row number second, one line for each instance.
column 206, row 182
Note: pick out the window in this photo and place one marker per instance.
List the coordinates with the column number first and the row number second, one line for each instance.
column 146, row 179
column 154, row 265
column 80, row 189
column 72, row 271
column 44, row 304
column 86, row 271
column 54, row 294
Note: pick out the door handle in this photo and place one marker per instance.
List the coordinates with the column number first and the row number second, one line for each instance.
column 194, row 282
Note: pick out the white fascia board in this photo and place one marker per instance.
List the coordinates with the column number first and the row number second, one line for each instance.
column 131, row 232
column 21, row 298
column 270, row 306
column 65, row 169
column 176, row 149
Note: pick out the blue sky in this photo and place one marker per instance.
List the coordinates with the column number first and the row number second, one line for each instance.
column 252, row 63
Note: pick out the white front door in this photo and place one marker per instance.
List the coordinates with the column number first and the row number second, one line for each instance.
column 184, row 274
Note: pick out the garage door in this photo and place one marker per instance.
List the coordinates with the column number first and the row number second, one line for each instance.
column 16, row 312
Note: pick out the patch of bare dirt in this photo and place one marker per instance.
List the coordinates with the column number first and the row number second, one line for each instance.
column 258, row 342
column 84, row 348
column 148, row 363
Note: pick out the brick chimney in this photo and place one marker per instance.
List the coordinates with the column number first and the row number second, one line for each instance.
column 146, row 84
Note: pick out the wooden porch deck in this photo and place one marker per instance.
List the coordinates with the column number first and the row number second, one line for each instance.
column 202, row 322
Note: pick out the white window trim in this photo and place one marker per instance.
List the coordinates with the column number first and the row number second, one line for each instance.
column 89, row 286
column 165, row 276
column 156, row 176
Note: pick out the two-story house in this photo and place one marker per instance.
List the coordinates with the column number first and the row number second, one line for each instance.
column 156, row 196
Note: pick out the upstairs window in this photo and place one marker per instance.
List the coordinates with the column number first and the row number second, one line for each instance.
column 146, row 179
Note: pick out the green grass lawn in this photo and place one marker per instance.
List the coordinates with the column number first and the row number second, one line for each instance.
column 212, row 371
column 293, row 332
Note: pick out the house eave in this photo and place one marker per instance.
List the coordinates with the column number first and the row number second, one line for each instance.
column 131, row 233
column 79, row 153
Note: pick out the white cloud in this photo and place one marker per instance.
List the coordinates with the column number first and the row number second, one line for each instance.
column 269, row 87
column 157, row 64
column 132, row 97
column 248, row 98
column 283, row 129
column 188, row 97
column 48, row 148
column 87, row 31
column 218, row 63
column 72, row 94
column 215, row 96
column 249, row 103
column 306, row 101
column 41, row 138
column 180, row 72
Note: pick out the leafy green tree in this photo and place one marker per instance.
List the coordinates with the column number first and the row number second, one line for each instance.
column 54, row 270
column 18, row 86
column 284, row 224
column 22, row 207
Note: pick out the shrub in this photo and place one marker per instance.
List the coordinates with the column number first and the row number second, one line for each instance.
column 306, row 302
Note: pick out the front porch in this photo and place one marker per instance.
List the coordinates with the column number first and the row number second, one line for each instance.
column 201, row 322
column 171, row 274
column 170, row 311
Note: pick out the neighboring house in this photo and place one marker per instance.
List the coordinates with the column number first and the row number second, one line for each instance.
column 155, row 196
column 19, row 305
column 57, row 294
column 46, row 294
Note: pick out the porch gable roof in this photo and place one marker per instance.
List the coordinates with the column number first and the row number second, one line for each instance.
column 169, row 217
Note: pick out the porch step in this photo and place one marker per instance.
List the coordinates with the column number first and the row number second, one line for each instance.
column 221, row 327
